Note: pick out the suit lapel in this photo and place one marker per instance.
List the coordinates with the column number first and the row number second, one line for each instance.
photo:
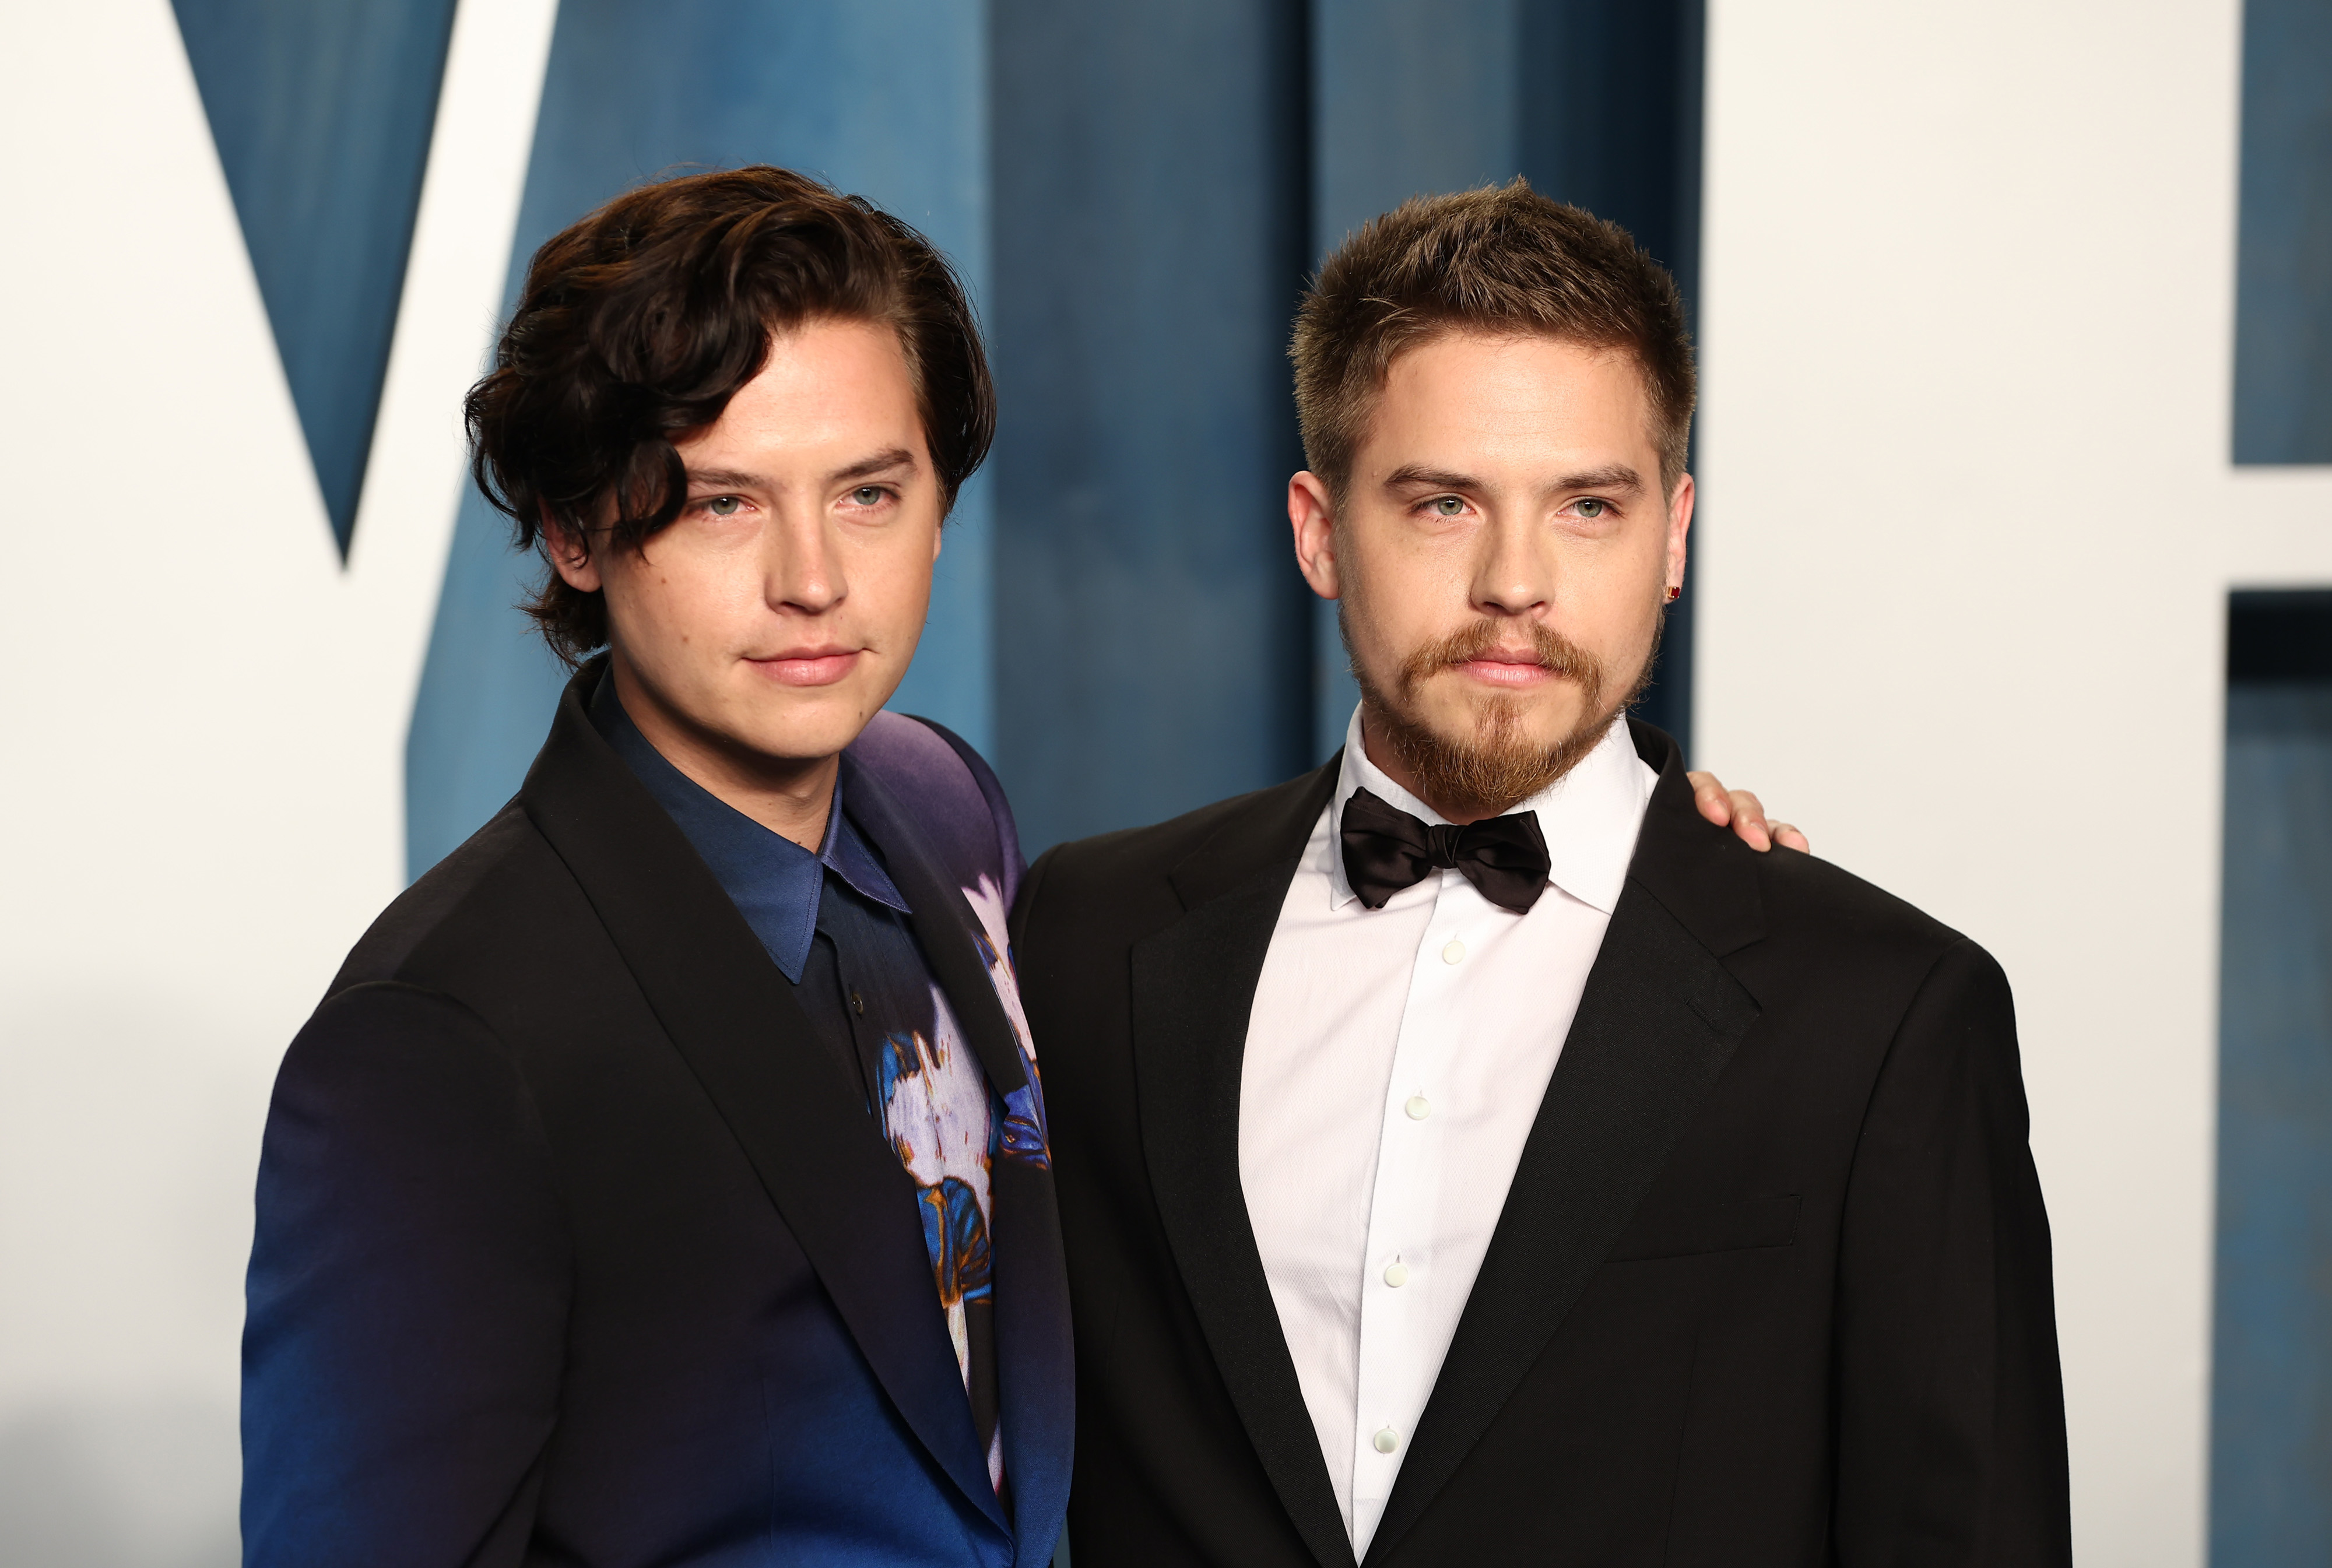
column 1193, row 988
column 1034, row 1353
column 795, row 1109
column 943, row 923
column 1658, row 1020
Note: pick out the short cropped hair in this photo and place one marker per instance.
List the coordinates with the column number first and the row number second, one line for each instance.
column 1501, row 259
column 639, row 323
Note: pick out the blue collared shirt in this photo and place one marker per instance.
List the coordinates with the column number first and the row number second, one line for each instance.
column 775, row 883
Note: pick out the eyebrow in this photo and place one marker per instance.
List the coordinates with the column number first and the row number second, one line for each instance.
column 864, row 468
column 726, row 478
column 1414, row 476
column 881, row 462
column 1614, row 477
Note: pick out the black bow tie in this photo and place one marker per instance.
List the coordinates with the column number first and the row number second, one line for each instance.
column 1386, row 850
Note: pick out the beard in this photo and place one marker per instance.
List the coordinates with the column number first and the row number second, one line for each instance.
column 1496, row 767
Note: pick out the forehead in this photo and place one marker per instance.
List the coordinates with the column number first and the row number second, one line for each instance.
column 825, row 382
column 1511, row 396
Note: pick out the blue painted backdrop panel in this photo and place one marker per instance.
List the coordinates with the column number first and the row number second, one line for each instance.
column 1408, row 100
column 1595, row 101
column 2283, row 293
column 1610, row 106
column 322, row 116
column 884, row 97
column 1152, row 228
column 2271, row 1385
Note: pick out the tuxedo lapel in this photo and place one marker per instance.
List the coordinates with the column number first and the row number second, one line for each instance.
column 1657, row 1022
column 794, row 1107
column 1193, row 988
column 1035, row 1359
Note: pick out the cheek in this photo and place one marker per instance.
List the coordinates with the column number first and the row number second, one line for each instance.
column 1402, row 592
column 1617, row 630
column 891, row 581
column 1619, row 588
column 681, row 598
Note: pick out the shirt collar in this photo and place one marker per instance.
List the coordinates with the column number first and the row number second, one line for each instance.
column 1590, row 817
column 775, row 883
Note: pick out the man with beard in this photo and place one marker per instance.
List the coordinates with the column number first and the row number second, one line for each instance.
column 1465, row 1152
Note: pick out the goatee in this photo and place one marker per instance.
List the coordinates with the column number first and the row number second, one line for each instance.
column 1497, row 766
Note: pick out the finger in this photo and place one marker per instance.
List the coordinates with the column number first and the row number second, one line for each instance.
column 1790, row 837
column 1708, row 794
column 1749, row 821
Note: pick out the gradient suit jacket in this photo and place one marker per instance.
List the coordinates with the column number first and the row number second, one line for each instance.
column 576, row 1244
column 1771, row 1285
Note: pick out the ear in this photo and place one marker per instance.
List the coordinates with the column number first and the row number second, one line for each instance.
column 1679, row 525
column 1313, row 520
column 570, row 556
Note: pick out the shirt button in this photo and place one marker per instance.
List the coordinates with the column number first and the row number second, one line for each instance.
column 1455, row 952
column 1385, row 1441
column 1417, row 1108
column 857, row 1004
column 1396, row 1273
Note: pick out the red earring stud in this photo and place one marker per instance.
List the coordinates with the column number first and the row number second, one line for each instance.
column 1675, row 594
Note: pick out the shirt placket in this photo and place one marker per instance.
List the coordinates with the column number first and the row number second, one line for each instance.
column 1398, row 1280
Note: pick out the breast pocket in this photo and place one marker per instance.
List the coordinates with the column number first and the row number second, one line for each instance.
column 1753, row 1222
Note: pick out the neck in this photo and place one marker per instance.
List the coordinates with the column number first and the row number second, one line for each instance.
column 789, row 796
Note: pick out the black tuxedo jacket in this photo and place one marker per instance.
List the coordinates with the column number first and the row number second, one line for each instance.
column 1772, row 1284
column 578, row 1244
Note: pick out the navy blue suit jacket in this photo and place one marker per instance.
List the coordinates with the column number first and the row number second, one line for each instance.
column 576, row 1244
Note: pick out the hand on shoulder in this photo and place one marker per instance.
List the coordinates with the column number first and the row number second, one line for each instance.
column 1744, row 814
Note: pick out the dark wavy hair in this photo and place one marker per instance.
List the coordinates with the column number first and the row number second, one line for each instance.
column 640, row 322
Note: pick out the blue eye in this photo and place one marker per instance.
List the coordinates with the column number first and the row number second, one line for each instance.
column 723, row 505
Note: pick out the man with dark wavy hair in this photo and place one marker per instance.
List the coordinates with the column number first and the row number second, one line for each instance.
column 663, row 1179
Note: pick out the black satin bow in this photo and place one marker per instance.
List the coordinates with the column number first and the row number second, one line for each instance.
column 1386, row 850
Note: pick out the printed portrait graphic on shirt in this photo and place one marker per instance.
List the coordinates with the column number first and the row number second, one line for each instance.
column 1024, row 1133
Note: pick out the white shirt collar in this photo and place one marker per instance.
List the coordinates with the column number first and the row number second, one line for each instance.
column 1589, row 817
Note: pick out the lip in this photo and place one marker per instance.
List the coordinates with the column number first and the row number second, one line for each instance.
column 820, row 666
column 1511, row 671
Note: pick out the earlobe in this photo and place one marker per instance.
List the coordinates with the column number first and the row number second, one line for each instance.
column 1679, row 533
column 569, row 556
column 1314, row 525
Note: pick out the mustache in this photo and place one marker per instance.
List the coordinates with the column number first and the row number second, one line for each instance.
column 1549, row 649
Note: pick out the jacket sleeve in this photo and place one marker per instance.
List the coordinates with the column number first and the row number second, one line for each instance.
column 408, row 1295
column 1951, row 1406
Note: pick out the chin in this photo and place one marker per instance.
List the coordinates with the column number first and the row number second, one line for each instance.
column 798, row 724
column 1503, row 719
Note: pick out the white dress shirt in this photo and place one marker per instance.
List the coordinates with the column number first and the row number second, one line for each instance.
column 1395, row 1062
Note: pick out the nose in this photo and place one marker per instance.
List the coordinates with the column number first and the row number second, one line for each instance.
column 802, row 572
column 1514, row 574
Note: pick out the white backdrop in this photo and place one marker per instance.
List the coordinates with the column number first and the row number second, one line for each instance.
column 1970, row 522
column 1968, row 331
column 202, row 772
